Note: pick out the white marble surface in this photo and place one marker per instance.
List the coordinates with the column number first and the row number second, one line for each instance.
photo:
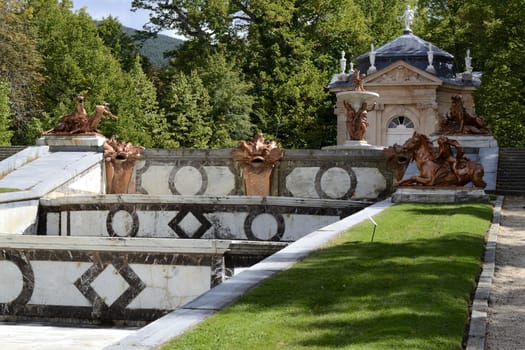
column 225, row 222
column 158, row 245
column 10, row 272
column 18, row 217
column 155, row 179
column 154, row 224
column 335, row 182
column 72, row 140
column 300, row 182
column 370, row 182
column 46, row 173
column 221, row 179
column 187, row 180
column 25, row 156
column 169, row 287
column 54, row 283
column 41, row 336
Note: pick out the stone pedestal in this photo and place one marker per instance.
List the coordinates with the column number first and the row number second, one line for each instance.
column 73, row 142
column 353, row 144
column 257, row 181
column 475, row 141
column 439, row 195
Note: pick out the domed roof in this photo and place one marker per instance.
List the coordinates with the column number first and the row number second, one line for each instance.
column 413, row 50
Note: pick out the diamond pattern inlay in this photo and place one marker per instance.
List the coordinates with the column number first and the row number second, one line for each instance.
column 189, row 225
column 109, row 286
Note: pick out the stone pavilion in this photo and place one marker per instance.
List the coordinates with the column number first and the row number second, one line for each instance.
column 415, row 81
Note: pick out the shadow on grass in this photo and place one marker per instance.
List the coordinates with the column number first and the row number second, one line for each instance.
column 445, row 210
column 401, row 295
column 409, row 289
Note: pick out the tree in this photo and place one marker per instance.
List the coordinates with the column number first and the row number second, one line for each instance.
column 77, row 62
column 20, row 65
column 495, row 35
column 140, row 120
column 286, row 49
column 122, row 46
column 5, row 115
column 230, row 102
column 187, row 104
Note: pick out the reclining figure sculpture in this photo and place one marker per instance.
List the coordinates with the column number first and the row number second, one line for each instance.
column 442, row 169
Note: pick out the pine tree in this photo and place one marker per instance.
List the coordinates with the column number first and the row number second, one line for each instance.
column 140, row 120
column 187, row 106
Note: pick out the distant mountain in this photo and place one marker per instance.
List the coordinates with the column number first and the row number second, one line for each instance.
column 154, row 48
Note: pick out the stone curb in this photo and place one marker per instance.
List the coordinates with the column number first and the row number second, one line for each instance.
column 478, row 320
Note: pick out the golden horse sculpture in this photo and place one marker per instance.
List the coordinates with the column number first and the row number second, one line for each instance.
column 71, row 121
column 77, row 122
column 442, row 169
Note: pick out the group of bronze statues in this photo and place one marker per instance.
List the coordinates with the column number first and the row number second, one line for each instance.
column 459, row 121
column 78, row 121
column 119, row 156
column 447, row 166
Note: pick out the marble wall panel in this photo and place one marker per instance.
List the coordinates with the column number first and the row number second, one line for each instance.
column 221, row 180
column 226, row 218
column 301, row 182
column 186, row 177
column 89, row 182
column 80, row 283
column 301, row 173
column 154, row 179
column 370, row 183
column 18, row 217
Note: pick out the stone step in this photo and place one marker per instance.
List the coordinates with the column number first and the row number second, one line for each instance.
column 8, row 151
column 511, row 171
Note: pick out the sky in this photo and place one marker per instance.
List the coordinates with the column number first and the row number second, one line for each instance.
column 120, row 9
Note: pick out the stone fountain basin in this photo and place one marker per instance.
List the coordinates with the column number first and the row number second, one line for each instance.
column 356, row 98
column 129, row 259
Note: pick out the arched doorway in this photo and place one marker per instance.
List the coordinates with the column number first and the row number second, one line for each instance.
column 399, row 130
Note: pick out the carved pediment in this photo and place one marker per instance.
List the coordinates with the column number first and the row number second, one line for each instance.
column 402, row 73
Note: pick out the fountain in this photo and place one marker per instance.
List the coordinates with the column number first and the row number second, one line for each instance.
column 102, row 231
column 356, row 111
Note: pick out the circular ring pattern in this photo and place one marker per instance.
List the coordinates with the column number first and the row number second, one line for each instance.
column 28, row 280
column 190, row 168
column 252, row 216
column 326, row 171
column 132, row 232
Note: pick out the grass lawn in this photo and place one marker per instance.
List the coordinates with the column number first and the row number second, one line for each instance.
column 409, row 289
column 4, row 190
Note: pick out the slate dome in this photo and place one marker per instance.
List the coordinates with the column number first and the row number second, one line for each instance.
column 413, row 50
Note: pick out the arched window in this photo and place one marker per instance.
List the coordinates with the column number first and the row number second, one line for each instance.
column 401, row 122
column 399, row 130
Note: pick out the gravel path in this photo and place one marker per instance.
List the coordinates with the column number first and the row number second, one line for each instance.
column 506, row 313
